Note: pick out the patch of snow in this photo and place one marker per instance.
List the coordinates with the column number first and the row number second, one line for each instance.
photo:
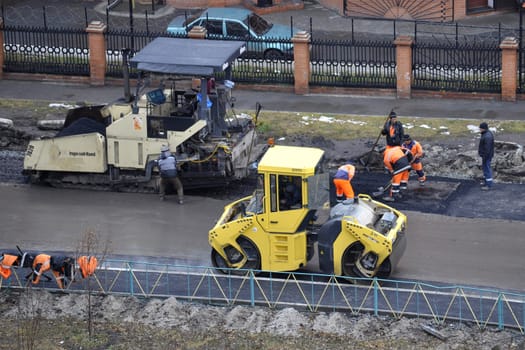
column 62, row 105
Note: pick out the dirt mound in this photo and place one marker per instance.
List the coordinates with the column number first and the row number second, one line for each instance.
column 199, row 323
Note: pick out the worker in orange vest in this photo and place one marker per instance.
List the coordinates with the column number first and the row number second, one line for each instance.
column 9, row 260
column 62, row 267
column 343, row 182
column 393, row 130
column 397, row 162
column 87, row 265
column 417, row 153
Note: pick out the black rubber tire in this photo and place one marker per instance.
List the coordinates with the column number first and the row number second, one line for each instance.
column 349, row 259
column 253, row 262
column 273, row 54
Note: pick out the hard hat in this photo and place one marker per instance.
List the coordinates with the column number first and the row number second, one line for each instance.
column 164, row 148
column 392, row 115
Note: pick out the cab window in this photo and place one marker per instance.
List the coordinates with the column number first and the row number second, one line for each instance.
column 290, row 192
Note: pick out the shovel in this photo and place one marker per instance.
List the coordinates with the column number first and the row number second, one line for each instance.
column 365, row 163
column 381, row 190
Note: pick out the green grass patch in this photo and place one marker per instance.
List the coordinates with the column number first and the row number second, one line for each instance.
column 345, row 127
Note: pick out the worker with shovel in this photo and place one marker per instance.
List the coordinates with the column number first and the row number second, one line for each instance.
column 393, row 130
column 397, row 162
column 417, row 153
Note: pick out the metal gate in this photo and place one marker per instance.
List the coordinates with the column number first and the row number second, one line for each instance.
column 436, row 11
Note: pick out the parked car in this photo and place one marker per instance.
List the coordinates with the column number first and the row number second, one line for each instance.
column 263, row 39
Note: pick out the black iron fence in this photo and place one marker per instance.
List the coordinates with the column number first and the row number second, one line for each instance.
column 466, row 67
column 370, row 64
column 444, row 65
column 53, row 51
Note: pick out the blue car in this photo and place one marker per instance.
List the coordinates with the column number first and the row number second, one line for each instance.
column 263, row 39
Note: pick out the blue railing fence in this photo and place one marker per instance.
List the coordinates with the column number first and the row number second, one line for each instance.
column 310, row 292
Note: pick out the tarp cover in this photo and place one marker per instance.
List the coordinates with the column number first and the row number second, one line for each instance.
column 187, row 56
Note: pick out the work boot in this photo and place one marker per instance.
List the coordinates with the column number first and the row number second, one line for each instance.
column 388, row 199
column 356, row 200
column 181, row 201
column 485, row 188
column 421, row 183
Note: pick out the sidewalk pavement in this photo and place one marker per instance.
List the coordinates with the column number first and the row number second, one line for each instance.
column 322, row 19
column 278, row 101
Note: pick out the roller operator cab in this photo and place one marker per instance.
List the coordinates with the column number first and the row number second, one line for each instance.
column 289, row 217
column 182, row 100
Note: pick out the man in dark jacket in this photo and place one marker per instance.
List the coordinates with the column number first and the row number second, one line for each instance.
column 167, row 165
column 486, row 152
column 393, row 130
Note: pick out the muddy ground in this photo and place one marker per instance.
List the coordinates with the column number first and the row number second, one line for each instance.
column 58, row 321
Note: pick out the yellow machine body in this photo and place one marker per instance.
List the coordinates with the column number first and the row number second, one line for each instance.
column 265, row 232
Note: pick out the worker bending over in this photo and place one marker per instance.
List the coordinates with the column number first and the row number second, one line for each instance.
column 62, row 267
column 417, row 153
column 167, row 165
column 343, row 182
column 9, row 260
column 397, row 162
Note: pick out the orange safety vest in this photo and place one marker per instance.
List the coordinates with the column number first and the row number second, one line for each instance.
column 395, row 159
column 415, row 148
column 44, row 261
column 87, row 265
column 6, row 262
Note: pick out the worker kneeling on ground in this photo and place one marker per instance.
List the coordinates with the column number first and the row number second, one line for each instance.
column 397, row 162
column 417, row 153
column 343, row 182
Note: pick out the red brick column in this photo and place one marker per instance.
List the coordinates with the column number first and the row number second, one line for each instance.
column 460, row 9
column 404, row 66
column 197, row 32
column 509, row 68
column 1, row 48
column 97, row 52
column 301, row 53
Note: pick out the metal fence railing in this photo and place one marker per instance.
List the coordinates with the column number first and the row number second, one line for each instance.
column 466, row 67
column 303, row 291
column 446, row 63
column 54, row 51
column 370, row 64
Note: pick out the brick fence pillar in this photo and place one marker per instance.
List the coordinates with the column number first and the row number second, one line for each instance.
column 197, row 32
column 301, row 54
column 404, row 66
column 97, row 52
column 1, row 48
column 509, row 67
column 459, row 10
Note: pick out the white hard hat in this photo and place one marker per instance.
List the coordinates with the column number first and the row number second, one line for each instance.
column 164, row 148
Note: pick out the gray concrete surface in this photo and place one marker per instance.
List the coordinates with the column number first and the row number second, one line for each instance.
column 274, row 101
column 461, row 251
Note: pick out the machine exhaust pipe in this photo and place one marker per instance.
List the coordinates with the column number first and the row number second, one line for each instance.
column 125, row 73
